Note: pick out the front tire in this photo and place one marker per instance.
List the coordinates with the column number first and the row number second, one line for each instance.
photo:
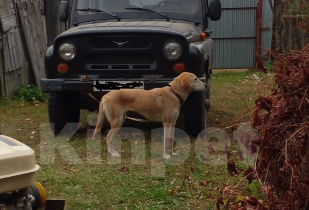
column 63, row 112
column 195, row 113
column 207, row 100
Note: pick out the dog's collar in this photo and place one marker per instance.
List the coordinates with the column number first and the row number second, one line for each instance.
column 177, row 95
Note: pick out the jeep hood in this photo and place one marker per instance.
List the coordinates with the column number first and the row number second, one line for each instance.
column 191, row 32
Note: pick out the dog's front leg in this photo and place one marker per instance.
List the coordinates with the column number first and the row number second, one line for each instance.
column 168, row 147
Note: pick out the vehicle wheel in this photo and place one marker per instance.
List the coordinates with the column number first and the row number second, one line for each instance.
column 63, row 113
column 207, row 101
column 195, row 113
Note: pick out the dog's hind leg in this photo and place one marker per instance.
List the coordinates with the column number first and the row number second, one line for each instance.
column 172, row 139
column 116, row 124
column 110, row 142
column 99, row 120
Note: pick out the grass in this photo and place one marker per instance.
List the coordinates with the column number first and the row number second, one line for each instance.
column 105, row 183
column 235, row 93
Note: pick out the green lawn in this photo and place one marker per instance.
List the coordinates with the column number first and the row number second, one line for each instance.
column 96, row 181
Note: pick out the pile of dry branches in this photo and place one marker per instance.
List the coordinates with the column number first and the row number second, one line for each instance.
column 282, row 120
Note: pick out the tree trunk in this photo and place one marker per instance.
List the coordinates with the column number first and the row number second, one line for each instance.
column 52, row 21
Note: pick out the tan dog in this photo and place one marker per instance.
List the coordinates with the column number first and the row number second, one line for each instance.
column 157, row 105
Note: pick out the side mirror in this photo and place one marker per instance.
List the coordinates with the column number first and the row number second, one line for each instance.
column 214, row 10
column 63, row 11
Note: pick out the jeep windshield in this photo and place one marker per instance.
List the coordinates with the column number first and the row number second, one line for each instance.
column 88, row 10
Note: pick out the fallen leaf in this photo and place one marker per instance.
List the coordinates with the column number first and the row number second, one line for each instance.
column 123, row 169
column 173, row 181
column 203, row 183
column 240, row 198
column 230, row 191
column 176, row 148
column 217, row 121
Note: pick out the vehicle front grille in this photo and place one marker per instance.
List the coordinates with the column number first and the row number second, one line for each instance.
column 120, row 59
column 125, row 52
column 119, row 43
column 120, row 62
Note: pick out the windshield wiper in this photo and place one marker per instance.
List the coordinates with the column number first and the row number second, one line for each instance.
column 148, row 10
column 99, row 11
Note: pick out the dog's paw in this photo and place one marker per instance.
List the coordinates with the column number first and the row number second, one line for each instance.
column 174, row 153
column 115, row 154
column 166, row 156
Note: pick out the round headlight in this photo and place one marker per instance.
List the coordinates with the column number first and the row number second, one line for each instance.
column 67, row 51
column 172, row 51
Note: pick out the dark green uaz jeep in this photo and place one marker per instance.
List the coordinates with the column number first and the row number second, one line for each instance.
column 114, row 44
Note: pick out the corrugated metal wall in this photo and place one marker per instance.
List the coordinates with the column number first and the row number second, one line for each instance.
column 235, row 34
column 267, row 25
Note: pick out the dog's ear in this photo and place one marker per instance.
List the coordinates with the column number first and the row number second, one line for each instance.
column 185, row 82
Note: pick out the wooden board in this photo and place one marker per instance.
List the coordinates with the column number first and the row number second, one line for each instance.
column 6, row 7
column 2, row 85
column 16, row 69
column 8, row 23
column 33, row 28
column 7, row 13
column 12, row 51
column 11, row 79
column 12, row 82
column 52, row 21
column 8, row 19
column 6, row 54
column 2, row 2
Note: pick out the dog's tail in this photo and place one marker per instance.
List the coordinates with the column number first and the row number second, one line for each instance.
column 100, row 120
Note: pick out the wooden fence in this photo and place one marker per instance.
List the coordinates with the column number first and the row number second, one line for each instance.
column 33, row 25
column 23, row 43
column 13, row 68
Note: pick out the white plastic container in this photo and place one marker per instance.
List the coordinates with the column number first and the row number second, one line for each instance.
column 17, row 165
